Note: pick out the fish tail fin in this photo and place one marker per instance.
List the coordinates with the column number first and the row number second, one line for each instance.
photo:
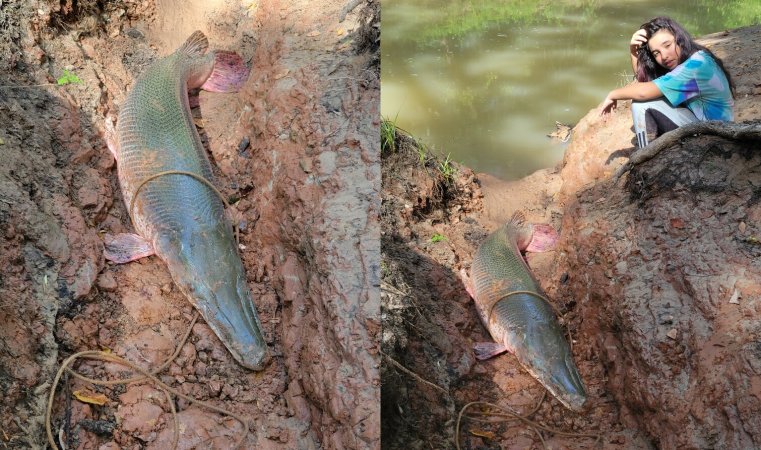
column 196, row 45
column 229, row 73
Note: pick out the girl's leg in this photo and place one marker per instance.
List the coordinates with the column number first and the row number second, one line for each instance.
column 652, row 119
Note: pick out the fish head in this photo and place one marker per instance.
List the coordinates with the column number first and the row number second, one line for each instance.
column 208, row 270
column 548, row 358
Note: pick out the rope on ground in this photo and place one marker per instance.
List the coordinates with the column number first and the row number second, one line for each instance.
column 490, row 309
column 399, row 366
column 192, row 175
column 510, row 415
column 145, row 374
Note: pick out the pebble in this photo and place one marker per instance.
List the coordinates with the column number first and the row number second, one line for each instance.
column 672, row 333
column 106, row 282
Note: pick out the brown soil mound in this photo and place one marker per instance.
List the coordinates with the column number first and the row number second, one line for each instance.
column 296, row 153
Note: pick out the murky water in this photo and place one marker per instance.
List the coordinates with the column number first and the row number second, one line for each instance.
column 486, row 81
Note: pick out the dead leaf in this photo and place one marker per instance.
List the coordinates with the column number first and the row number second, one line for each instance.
column 314, row 33
column 742, row 227
column 672, row 333
column 282, row 74
column 91, row 397
column 483, row 434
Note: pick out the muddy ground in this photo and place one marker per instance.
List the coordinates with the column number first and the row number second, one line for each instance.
column 655, row 277
column 296, row 152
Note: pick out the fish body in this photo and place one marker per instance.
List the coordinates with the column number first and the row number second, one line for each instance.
column 181, row 218
column 517, row 314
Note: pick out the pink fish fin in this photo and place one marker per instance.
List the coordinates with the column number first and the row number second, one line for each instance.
column 196, row 45
column 543, row 239
column 126, row 247
column 467, row 282
column 112, row 139
column 486, row 350
column 229, row 73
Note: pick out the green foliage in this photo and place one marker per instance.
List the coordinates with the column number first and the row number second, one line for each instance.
column 438, row 238
column 68, row 77
column 388, row 135
column 446, row 168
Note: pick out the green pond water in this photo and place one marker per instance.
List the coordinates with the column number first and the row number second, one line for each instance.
column 487, row 80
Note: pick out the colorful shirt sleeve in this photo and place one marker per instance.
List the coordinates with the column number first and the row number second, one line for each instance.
column 700, row 85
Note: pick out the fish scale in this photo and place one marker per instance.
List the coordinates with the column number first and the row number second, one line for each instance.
column 514, row 310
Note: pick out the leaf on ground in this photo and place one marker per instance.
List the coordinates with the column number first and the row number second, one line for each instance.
column 68, row 77
column 483, row 434
column 282, row 74
column 90, row 397
column 314, row 33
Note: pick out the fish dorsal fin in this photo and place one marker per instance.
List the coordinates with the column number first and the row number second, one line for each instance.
column 517, row 221
column 196, row 45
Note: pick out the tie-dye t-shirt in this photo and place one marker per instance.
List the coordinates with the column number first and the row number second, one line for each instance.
column 700, row 84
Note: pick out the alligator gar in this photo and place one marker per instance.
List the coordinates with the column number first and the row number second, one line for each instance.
column 180, row 217
column 516, row 312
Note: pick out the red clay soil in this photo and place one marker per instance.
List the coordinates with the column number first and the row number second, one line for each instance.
column 656, row 278
column 296, row 153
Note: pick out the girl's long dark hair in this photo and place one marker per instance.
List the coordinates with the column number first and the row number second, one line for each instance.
column 648, row 69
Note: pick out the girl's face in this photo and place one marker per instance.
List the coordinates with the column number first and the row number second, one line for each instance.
column 664, row 49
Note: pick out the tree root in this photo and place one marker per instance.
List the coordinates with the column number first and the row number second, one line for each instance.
column 727, row 130
column 508, row 414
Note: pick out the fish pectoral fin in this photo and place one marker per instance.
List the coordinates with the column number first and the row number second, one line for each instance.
column 543, row 239
column 486, row 350
column 125, row 247
column 229, row 74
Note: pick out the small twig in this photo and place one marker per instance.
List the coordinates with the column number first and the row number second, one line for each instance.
column 411, row 373
column 509, row 414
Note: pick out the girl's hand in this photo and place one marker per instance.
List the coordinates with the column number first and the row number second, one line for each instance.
column 639, row 38
column 607, row 106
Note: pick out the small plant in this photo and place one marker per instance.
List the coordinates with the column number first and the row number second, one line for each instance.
column 68, row 77
column 388, row 135
column 446, row 168
column 420, row 151
column 438, row 238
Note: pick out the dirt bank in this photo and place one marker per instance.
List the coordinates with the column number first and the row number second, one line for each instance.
column 643, row 277
column 296, row 153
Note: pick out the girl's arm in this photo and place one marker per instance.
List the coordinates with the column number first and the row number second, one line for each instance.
column 639, row 38
column 633, row 91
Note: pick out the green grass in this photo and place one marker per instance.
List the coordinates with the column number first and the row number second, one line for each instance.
column 446, row 168
column 388, row 135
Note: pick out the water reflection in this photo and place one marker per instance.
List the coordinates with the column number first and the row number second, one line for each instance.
column 487, row 82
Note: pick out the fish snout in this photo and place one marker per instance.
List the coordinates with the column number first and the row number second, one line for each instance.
column 567, row 385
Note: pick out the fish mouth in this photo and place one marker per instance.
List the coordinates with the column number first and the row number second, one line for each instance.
column 551, row 363
column 234, row 320
column 211, row 275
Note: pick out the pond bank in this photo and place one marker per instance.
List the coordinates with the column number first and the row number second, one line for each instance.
column 651, row 320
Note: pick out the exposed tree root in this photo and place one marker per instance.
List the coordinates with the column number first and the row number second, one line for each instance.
column 727, row 130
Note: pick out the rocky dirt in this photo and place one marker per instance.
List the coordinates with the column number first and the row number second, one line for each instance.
column 655, row 278
column 296, row 152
